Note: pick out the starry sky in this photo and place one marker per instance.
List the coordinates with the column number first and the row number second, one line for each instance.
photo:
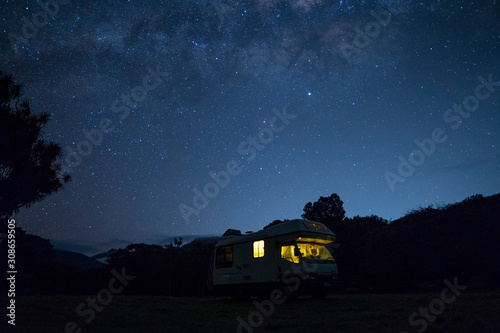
column 192, row 117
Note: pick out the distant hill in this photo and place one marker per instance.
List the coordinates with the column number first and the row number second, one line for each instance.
column 76, row 260
column 89, row 248
column 484, row 207
column 200, row 242
column 93, row 249
column 101, row 257
column 424, row 247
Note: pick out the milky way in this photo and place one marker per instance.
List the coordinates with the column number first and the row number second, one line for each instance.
column 173, row 116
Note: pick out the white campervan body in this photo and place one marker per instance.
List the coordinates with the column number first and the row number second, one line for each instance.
column 292, row 256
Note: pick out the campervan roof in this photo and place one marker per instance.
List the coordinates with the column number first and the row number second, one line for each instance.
column 293, row 228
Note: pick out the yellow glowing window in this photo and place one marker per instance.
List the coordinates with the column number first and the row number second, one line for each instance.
column 307, row 251
column 258, row 249
column 288, row 253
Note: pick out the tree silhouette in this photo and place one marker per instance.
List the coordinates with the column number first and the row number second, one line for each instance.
column 327, row 210
column 177, row 243
column 275, row 222
column 28, row 168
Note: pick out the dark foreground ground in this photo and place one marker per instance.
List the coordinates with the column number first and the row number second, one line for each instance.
column 469, row 312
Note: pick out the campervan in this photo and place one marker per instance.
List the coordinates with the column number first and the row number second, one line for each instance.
column 294, row 256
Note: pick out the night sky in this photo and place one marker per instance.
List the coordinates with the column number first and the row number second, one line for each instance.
column 285, row 101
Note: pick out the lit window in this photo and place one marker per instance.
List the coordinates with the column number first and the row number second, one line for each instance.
column 315, row 251
column 288, row 253
column 306, row 251
column 258, row 249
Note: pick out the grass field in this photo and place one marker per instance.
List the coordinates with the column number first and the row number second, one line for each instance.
column 469, row 312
